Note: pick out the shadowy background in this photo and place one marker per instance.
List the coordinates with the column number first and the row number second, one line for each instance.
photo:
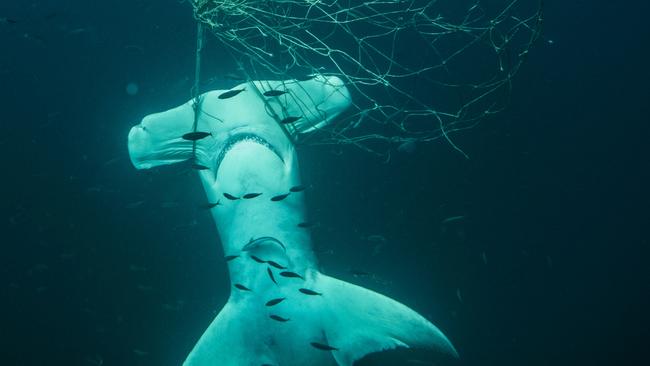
column 102, row 263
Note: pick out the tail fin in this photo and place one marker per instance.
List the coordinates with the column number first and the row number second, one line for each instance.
column 342, row 325
column 359, row 321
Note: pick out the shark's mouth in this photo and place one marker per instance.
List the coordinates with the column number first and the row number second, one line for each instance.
column 244, row 138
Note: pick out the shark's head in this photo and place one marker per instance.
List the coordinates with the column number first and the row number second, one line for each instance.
column 246, row 116
column 244, row 151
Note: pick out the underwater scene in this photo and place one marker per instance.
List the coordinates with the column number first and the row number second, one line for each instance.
column 324, row 182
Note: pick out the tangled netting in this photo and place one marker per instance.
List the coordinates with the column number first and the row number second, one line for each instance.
column 418, row 70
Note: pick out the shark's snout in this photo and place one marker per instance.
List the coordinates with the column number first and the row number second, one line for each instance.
column 139, row 145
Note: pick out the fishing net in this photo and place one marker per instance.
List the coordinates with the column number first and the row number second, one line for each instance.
column 418, row 70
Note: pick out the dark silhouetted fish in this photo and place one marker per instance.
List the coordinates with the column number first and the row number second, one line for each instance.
column 323, row 347
column 279, row 197
column 305, row 77
column 199, row 167
column 263, row 239
column 296, row 189
column 228, row 258
column 194, row 136
column 276, row 265
column 358, row 273
column 242, row 287
column 268, row 270
column 275, row 301
column 278, row 318
column 230, row 93
column 251, row 195
column 230, row 196
column 258, row 260
column 274, row 93
column 209, row 205
column 307, row 291
column 291, row 275
column 290, row 120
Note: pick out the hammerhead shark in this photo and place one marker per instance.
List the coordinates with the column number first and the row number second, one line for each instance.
column 282, row 310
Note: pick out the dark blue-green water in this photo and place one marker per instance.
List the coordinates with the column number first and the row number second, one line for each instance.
column 549, row 265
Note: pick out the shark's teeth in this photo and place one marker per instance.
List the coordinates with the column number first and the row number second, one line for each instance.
column 243, row 137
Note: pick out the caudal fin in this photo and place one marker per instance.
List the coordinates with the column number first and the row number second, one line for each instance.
column 319, row 321
column 358, row 321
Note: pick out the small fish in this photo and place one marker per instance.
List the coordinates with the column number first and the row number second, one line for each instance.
column 268, row 270
column 242, row 287
column 274, row 93
column 275, row 301
column 210, row 205
column 323, row 347
column 307, row 291
column 230, row 93
column 291, row 275
column 77, row 31
column 135, row 268
column 195, row 136
column 452, row 219
column 228, row 258
column 135, row 204
column 296, row 189
column 140, row 353
column 248, row 196
column 258, row 260
column 290, row 120
column 358, row 273
column 230, row 197
column 376, row 238
column 278, row 318
column 199, row 167
column 50, row 16
column 305, row 77
column 280, row 197
column 306, row 225
column 8, row 20
column 276, row 265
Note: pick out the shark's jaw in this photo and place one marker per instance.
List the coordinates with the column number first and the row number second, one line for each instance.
column 244, row 137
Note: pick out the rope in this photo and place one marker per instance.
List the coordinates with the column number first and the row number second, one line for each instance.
column 196, row 106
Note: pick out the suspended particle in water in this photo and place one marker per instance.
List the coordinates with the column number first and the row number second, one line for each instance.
column 132, row 88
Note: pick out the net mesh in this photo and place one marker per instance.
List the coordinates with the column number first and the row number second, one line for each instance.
column 417, row 70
